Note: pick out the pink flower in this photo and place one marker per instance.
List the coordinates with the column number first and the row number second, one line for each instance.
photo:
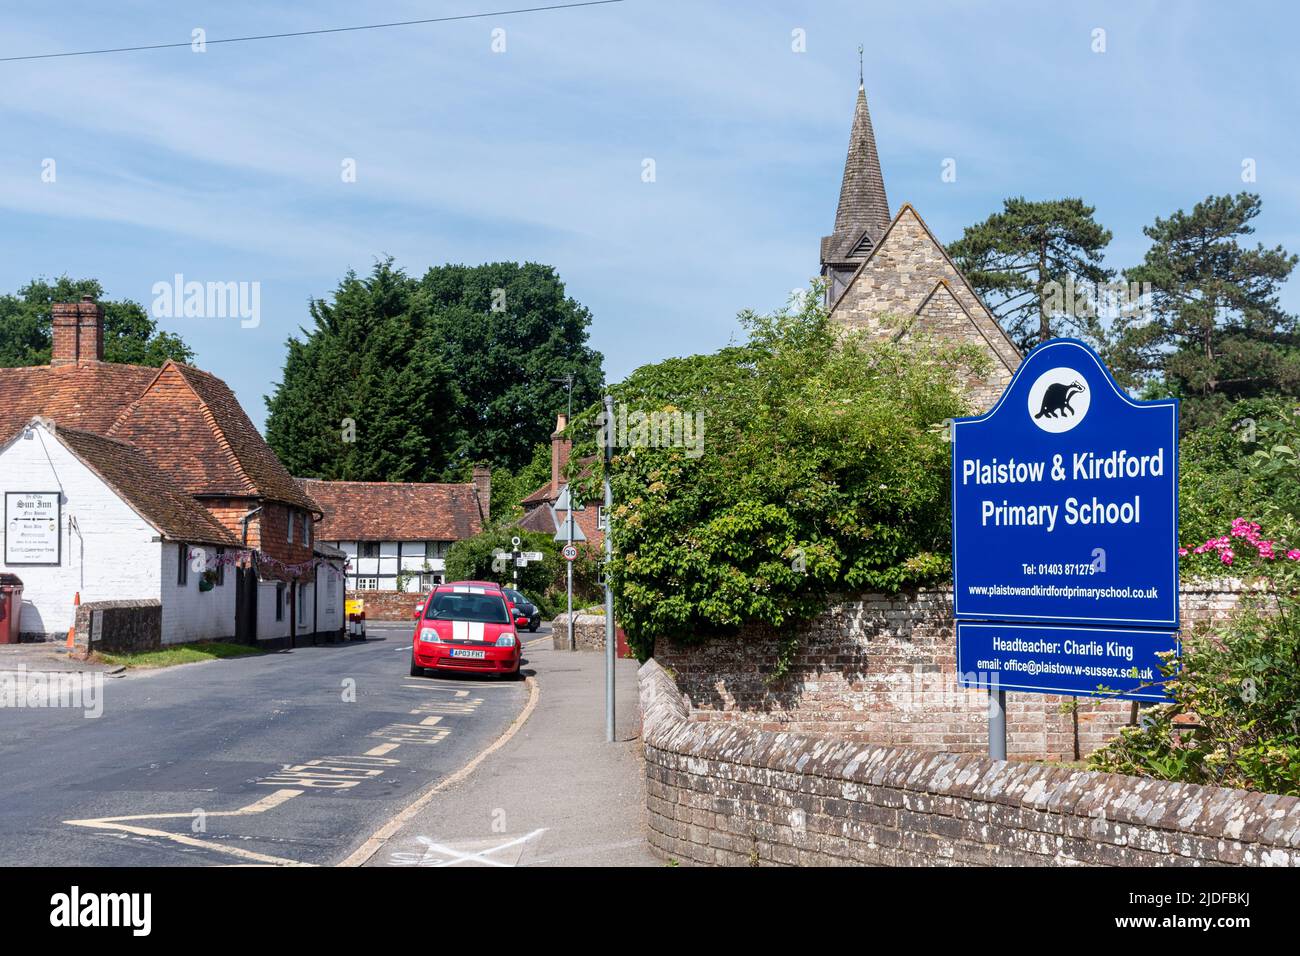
column 1226, row 556
column 1182, row 552
column 1294, row 554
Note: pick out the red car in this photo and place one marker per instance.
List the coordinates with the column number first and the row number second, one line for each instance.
column 466, row 627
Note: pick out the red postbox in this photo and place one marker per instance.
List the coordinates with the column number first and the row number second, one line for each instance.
column 11, row 607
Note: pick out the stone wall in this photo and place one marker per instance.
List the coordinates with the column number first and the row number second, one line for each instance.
column 389, row 605
column 128, row 627
column 728, row 794
column 882, row 668
column 588, row 632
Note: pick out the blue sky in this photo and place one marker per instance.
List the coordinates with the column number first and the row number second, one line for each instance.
column 225, row 166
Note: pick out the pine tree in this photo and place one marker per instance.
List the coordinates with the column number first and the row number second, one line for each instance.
column 1012, row 256
column 1216, row 332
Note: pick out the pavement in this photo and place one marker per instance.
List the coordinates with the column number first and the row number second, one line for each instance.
column 48, row 656
column 553, row 794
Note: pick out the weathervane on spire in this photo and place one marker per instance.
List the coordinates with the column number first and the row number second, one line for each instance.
column 860, row 83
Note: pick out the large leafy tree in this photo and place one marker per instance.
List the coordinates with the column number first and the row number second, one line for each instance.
column 822, row 468
column 402, row 379
column 1013, row 256
column 1216, row 332
column 130, row 336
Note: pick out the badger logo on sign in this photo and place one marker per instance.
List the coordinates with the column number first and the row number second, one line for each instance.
column 1058, row 400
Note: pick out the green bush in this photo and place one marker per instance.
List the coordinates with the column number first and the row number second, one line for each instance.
column 1242, row 684
column 823, row 466
column 1225, row 470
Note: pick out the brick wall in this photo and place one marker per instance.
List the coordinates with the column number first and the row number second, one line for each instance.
column 882, row 668
column 128, row 627
column 737, row 795
column 388, row 605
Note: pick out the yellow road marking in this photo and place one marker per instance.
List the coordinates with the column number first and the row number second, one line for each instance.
column 381, row 750
column 430, row 721
column 268, row 802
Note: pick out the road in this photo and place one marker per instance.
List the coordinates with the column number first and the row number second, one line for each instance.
column 294, row 757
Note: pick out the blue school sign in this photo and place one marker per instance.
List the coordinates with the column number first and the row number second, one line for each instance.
column 1065, row 512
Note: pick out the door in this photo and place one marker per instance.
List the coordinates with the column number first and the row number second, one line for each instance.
column 245, row 605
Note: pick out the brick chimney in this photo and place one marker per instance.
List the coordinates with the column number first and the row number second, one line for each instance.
column 483, row 489
column 560, row 448
column 78, row 332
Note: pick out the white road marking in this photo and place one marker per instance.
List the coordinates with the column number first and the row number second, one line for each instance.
column 269, row 802
column 438, row 854
column 381, row 750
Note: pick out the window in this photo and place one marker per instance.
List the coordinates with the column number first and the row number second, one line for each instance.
column 306, row 528
column 602, row 520
column 367, row 584
column 302, row 605
column 369, row 549
column 221, row 566
column 279, row 602
column 292, row 518
column 183, row 564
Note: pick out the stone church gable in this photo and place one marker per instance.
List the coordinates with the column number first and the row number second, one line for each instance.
column 941, row 315
column 903, row 277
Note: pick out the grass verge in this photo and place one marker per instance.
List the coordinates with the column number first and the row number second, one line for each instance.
column 179, row 654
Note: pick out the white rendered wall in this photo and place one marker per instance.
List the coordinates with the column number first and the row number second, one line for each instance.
column 114, row 558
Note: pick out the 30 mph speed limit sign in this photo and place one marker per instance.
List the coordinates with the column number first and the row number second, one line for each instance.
column 570, row 552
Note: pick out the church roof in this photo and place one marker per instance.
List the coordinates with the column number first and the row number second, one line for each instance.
column 863, row 211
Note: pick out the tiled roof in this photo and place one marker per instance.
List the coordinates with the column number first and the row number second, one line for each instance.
column 541, row 518
column 394, row 511
column 186, row 421
column 136, row 481
column 88, row 397
column 190, row 424
column 543, row 494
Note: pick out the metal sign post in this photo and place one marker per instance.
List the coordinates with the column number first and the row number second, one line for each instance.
column 568, row 574
column 609, row 591
column 569, row 534
column 997, row 723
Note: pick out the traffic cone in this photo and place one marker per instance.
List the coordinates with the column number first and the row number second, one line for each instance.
column 72, row 631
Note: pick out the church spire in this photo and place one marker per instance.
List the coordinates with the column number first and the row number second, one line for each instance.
column 863, row 212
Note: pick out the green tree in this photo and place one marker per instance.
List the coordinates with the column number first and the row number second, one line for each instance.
column 433, row 374
column 130, row 336
column 508, row 331
column 1216, row 333
column 1013, row 256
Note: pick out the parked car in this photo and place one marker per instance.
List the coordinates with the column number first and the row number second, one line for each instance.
column 525, row 607
column 468, row 629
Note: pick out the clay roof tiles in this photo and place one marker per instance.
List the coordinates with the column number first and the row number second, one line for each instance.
column 393, row 511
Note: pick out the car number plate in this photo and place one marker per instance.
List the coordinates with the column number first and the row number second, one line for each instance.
column 468, row 652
